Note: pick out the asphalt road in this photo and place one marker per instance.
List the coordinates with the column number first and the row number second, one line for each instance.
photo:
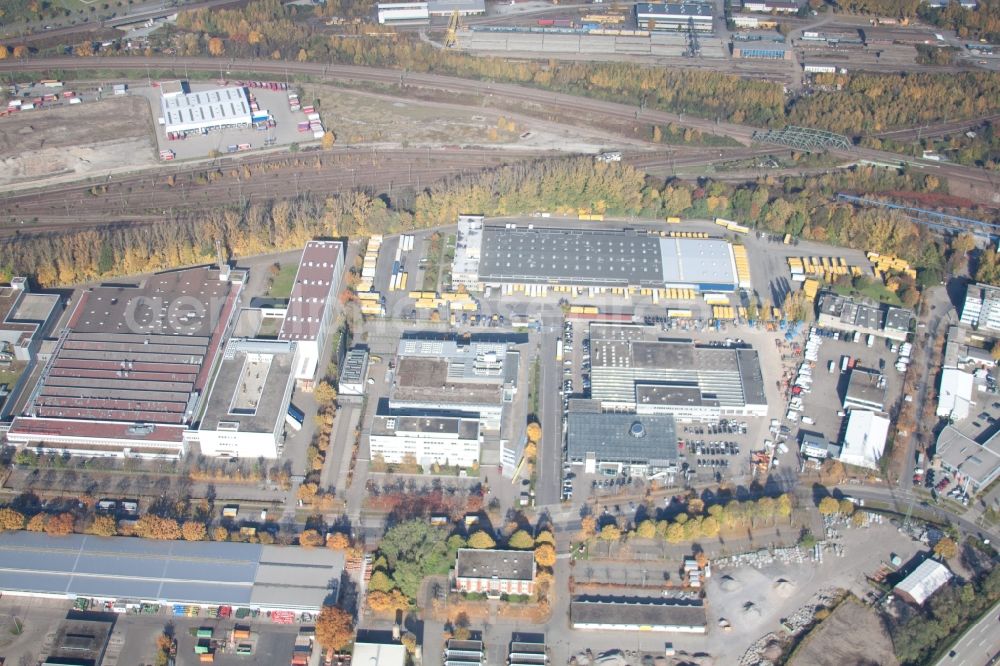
column 980, row 183
column 978, row 646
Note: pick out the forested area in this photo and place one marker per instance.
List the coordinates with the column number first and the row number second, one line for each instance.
column 802, row 206
column 865, row 103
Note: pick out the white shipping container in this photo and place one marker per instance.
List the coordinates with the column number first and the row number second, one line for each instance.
column 313, row 116
column 318, row 134
column 75, row 100
column 399, row 252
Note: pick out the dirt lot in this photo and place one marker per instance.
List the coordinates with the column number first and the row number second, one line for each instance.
column 80, row 140
column 363, row 117
column 869, row 644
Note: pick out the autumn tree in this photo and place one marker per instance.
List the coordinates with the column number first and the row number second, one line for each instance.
column 545, row 555
column 389, row 600
column 60, row 524
column 193, row 530
column 324, row 394
column 675, row 533
column 521, row 540
column 338, row 541
column 380, row 582
column 610, row 532
column 783, row 508
column 37, row 523
column 545, row 536
column 20, row 51
column 846, row 506
column 216, row 46
column 646, row 529
column 310, row 539
column 329, row 139
column 588, row 527
column 946, row 548
column 481, row 541
column 220, row 533
column 534, row 432
column 3, row 52
column 105, row 526
column 11, row 519
column 828, row 506
column 710, row 527
column 334, row 628
column 155, row 527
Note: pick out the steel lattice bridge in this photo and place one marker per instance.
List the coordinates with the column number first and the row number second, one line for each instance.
column 951, row 224
column 802, row 138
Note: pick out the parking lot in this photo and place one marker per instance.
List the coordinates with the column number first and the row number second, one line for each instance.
column 822, row 398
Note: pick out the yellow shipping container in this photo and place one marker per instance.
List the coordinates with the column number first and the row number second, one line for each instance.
column 369, row 296
column 673, row 220
column 678, row 313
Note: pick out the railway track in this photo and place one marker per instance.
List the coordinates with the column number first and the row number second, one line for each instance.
column 143, row 199
column 979, row 183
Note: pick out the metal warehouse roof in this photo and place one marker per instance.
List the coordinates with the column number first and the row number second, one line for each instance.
column 611, row 437
column 196, row 572
column 648, row 613
column 698, row 261
column 571, row 256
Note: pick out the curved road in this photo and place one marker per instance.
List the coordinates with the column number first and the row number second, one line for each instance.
column 981, row 184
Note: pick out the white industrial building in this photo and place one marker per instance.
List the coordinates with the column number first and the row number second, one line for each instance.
column 311, row 306
column 247, row 403
column 974, row 466
column 925, row 580
column 955, row 396
column 981, row 310
column 184, row 111
column 864, row 439
column 677, row 16
column 397, row 12
column 768, row 6
column 426, row 440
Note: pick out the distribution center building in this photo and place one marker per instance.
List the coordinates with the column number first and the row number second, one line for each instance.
column 184, row 111
column 598, row 259
column 621, row 443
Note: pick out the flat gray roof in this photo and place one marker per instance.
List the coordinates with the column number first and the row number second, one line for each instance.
column 979, row 462
column 196, row 572
column 625, row 438
column 644, row 612
column 249, row 390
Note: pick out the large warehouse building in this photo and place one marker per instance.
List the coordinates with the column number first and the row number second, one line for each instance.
column 130, row 369
column 196, row 573
column 184, row 111
column 675, row 16
column 632, row 370
column 519, row 256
